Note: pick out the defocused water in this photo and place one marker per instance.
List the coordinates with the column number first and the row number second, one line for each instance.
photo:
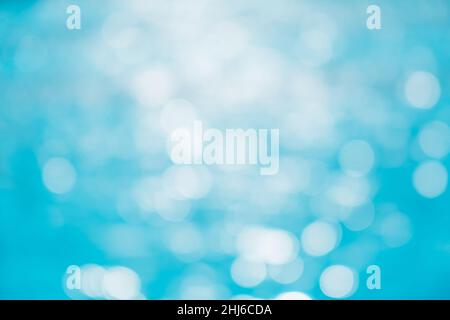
column 86, row 178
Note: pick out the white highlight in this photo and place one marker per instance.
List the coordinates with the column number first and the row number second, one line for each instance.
column 422, row 90
column 59, row 175
column 177, row 114
column 186, row 242
column 187, row 182
column 121, row 283
column 270, row 246
column 430, row 179
column 356, row 158
column 348, row 191
column 338, row 281
column 360, row 218
column 293, row 295
column 152, row 87
column 434, row 139
column 396, row 229
column 248, row 273
column 287, row 273
column 319, row 238
column 91, row 283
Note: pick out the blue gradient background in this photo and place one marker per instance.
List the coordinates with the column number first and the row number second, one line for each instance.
column 70, row 94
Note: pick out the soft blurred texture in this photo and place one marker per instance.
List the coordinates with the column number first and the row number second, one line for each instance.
column 86, row 178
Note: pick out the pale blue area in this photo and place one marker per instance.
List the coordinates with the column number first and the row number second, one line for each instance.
column 53, row 96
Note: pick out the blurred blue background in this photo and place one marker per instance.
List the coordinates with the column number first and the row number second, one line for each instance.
column 86, row 178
